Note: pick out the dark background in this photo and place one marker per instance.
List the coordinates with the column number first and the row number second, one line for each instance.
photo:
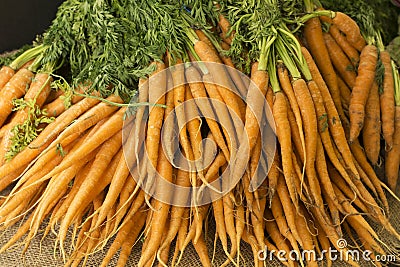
column 22, row 20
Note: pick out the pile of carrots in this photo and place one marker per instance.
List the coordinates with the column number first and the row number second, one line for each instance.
column 87, row 179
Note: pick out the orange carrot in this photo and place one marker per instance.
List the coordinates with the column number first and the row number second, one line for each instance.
column 235, row 74
column 198, row 90
column 14, row 88
column 223, row 113
column 345, row 93
column 222, row 80
column 347, row 48
column 37, row 145
column 124, row 234
column 255, row 103
column 201, row 249
column 38, row 92
column 6, row 74
column 157, row 89
column 315, row 40
column 94, row 180
column 284, row 137
column 309, row 117
column 372, row 125
column 393, row 156
column 336, row 128
column 224, row 24
column 118, row 181
column 286, row 86
column 360, row 92
column 160, row 213
column 340, row 61
column 387, row 100
column 350, row 28
column 58, row 105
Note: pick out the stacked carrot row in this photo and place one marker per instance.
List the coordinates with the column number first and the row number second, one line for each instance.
column 91, row 166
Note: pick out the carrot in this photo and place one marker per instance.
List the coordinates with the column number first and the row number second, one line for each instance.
column 164, row 254
column 273, row 176
column 168, row 132
column 387, row 100
column 281, row 221
column 14, row 88
column 347, row 48
column 324, row 241
column 37, row 145
column 157, row 89
column 62, row 209
column 90, row 118
column 309, row 117
column 194, row 132
column 52, row 192
column 284, row 137
column 364, row 234
column 58, row 105
column 350, row 28
column 360, row 92
column 331, row 234
column 289, row 209
column 53, row 95
column 117, row 182
column 372, row 125
column 341, row 184
column 6, row 73
column 393, row 156
column 127, row 246
column 160, row 213
column 135, row 224
column 230, row 224
column 94, row 180
column 225, row 26
column 30, row 187
column 222, row 112
column 340, row 61
column 325, row 135
column 110, row 128
column 307, row 237
column 295, row 110
column 198, row 90
column 255, row 104
column 273, row 231
column 139, row 122
column 177, row 212
column 360, row 157
column 181, row 236
column 9, row 178
column 38, row 91
column 222, row 81
column 319, row 50
column 336, row 128
column 237, row 76
column 345, row 93
column 61, row 149
column 201, row 248
column 128, row 205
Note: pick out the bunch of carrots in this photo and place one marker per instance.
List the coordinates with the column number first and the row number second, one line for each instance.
column 85, row 166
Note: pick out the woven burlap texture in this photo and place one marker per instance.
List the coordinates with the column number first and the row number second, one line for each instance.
column 41, row 252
